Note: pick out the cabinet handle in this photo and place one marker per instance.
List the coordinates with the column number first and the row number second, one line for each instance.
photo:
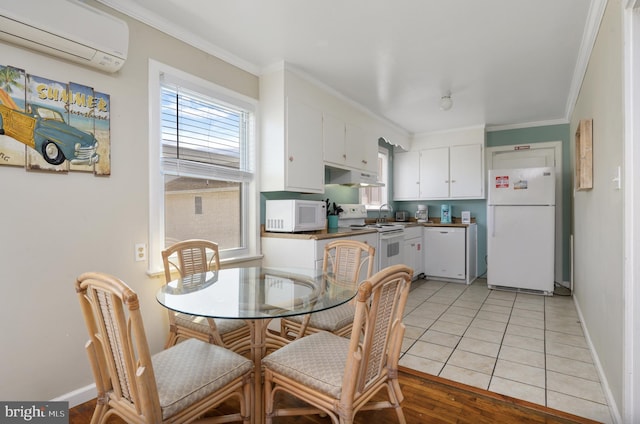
column 364, row 161
column 290, row 158
column 453, row 181
column 344, row 157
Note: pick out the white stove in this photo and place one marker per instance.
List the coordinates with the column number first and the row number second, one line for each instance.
column 353, row 216
column 389, row 250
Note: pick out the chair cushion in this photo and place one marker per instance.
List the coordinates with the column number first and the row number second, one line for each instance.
column 317, row 361
column 200, row 323
column 193, row 369
column 331, row 319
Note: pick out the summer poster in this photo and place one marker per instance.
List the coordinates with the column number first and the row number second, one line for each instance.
column 12, row 94
column 46, row 99
column 80, row 108
column 61, row 126
column 102, row 114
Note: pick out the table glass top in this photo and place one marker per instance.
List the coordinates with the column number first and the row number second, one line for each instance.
column 255, row 293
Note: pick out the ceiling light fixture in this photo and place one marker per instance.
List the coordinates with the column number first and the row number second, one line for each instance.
column 445, row 102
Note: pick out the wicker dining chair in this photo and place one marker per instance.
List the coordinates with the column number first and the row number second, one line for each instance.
column 350, row 261
column 187, row 258
column 338, row 376
column 176, row 385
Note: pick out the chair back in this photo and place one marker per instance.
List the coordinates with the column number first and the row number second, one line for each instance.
column 117, row 347
column 350, row 261
column 189, row 257
column 376, row 336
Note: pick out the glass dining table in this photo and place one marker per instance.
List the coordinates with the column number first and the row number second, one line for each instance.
column 256, row 295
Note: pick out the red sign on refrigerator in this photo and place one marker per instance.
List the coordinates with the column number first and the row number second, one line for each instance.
column 502, row 181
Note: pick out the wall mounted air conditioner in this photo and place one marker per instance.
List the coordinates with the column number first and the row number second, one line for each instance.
column 68, row 29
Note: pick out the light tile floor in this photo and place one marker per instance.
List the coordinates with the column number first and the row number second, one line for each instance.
column 523, row 345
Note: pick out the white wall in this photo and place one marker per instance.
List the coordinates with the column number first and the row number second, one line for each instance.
column 54, row 227
column 598, row 213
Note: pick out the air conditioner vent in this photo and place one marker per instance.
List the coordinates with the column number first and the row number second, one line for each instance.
column 67, row 29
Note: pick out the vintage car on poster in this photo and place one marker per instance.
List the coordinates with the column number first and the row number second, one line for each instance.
column 45, row 130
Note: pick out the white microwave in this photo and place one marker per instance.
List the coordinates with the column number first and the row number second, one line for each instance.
column 295, row 215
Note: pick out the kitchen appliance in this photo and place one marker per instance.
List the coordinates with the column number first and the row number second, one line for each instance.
column 422, row 215
column 445, row 214
column 465, row 217
column 353, row 178
column 295, row 215
column 521, row 229
column 390, row 248
column 446, row 256
column 402, row 216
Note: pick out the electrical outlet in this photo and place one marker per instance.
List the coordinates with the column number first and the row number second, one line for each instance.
column 141, row 252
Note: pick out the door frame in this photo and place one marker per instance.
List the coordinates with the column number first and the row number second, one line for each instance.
column 557, row 148
column 631, row 336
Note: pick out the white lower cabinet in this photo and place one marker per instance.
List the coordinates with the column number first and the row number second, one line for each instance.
column 450, row 253
column 413, row 250
column 304, row 252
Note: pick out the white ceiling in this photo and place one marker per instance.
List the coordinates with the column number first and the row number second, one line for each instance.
column 507, row 63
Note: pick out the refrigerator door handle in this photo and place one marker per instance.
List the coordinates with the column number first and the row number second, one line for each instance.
column 492, row 217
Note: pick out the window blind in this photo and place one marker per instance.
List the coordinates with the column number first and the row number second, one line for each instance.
column 202, row 137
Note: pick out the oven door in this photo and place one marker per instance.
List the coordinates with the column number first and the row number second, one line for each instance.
column 390, row 248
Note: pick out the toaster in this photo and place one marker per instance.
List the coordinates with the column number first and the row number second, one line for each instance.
column 402, row 216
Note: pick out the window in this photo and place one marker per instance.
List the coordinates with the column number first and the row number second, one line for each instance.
column 203, row 184
column 374, row 197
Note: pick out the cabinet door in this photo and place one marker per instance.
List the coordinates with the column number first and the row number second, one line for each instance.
column 361, row 150
column 466, row 171
column 413, row 255
column 370, row 152
column 333, row 139
column 406, row 176
column 434, row 173
column 304, row 169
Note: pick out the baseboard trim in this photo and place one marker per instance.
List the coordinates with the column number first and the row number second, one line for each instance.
column 79, row 396
column 611, row 402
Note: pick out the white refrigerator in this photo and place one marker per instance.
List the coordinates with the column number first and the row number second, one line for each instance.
column 521, row 229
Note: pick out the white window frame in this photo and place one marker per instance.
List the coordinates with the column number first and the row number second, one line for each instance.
column 158, row 71
column 383, row 178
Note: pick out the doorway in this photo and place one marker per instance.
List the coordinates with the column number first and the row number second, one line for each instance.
column 529, row 156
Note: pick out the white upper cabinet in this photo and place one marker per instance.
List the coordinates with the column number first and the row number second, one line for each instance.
column 333, row 139
column 291, row 139
column 304, row 126
column 347, row 145
column 434, row 173
column 406, row 176
column 466, row 171
column 304, row 169
column 442, row 171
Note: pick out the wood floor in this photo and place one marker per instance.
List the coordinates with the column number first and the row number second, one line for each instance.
column 428, row 399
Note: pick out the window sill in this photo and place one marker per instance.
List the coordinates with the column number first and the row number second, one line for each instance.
column 224, row 263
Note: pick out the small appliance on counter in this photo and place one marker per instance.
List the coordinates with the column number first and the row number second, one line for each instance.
column 295, row 215
column 402, row 216
column 445, row 214
column 422, row 215
column 465, row 217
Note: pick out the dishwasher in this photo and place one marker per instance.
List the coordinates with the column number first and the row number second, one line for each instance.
column 445, row 252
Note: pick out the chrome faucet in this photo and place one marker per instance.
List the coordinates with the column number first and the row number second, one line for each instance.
column 380, row 219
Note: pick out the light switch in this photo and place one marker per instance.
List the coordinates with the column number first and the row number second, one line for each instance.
column 617, row 180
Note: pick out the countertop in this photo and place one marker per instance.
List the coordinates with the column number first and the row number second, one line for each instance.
column 349, row 232
column 320, row 234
